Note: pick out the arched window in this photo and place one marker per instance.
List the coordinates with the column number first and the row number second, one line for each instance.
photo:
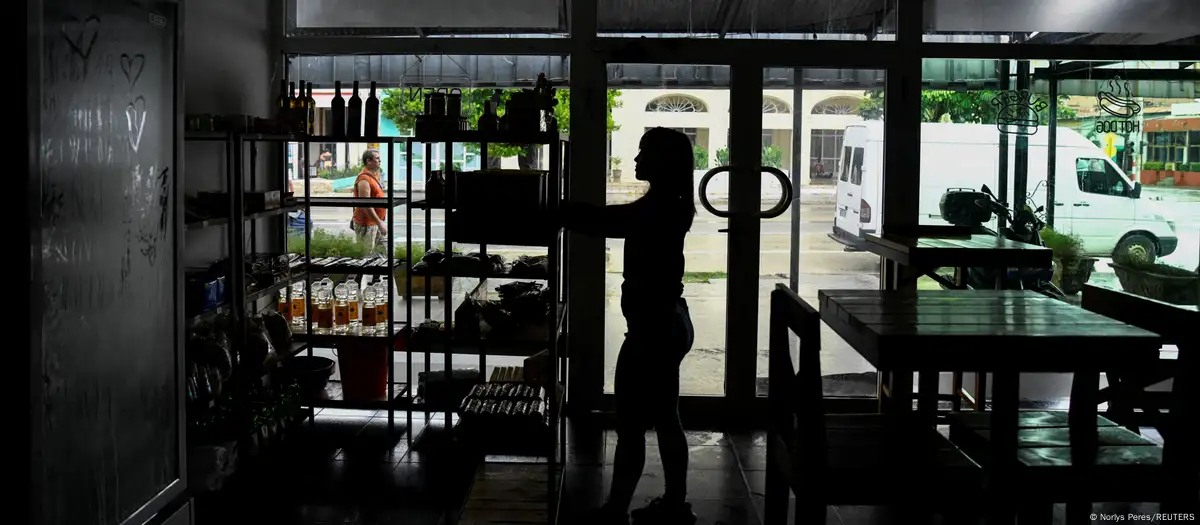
column 837, row 106
column 774, row 105
column 677, row 104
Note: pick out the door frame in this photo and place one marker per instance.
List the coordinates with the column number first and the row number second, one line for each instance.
column 746, row 88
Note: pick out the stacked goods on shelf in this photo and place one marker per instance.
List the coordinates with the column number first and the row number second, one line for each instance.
column 436, row 390
column 343, row 307
column 506, row 409
column 519, row 315
column 475, row 264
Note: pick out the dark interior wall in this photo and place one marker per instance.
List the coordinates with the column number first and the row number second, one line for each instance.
column 228, row 68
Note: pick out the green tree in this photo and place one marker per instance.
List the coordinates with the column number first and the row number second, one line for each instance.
column 955, row 106
column 699, row 157
column 402, row 107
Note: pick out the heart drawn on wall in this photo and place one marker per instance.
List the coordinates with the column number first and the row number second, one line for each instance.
column 135, row 115
column 132, row 66
column 81, row 35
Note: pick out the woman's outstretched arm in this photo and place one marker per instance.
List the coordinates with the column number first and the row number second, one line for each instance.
column 615, row 221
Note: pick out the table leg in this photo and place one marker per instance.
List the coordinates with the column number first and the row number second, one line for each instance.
column 956, row 385
column 980, row 394
column 1081, row 418
column 1004, row 446
column 927, row 401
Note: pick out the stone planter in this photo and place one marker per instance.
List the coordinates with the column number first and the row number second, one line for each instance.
column 420, row 283
column 1189, row 178
column 1150, row 177
column 1071, row 274
column 1160, row 282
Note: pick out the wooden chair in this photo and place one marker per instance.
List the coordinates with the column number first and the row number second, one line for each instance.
column 1119, row 465
column 863, row 459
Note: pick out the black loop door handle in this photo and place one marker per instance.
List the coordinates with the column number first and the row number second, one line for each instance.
column 703, row 190
column 785, row 199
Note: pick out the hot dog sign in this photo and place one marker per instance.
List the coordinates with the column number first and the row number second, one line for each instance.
column 1116, row 99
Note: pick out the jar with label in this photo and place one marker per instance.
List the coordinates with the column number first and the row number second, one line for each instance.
column 381, row 302
column 298, row 305
column 368, row 309
column 341, row 310
column 352, row 299
column 284, row 306
column 323, row 303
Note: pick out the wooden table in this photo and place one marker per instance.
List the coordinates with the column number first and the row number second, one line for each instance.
column 915, row 255
column 1004, row 332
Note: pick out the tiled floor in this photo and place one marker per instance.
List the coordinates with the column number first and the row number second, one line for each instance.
column 346, row 469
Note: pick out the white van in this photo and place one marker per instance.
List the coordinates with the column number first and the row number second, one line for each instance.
column 1093, row 198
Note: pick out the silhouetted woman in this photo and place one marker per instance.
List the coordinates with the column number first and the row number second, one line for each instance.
column 660, row 330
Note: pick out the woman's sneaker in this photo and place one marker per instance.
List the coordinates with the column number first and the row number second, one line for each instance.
column 663, row 512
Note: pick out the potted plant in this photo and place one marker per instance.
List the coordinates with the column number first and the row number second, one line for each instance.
column 436, row 284
column 1071, row 269
column 616, row 169
column 1159, row 281
column 1151, row 173
column 1191, row 174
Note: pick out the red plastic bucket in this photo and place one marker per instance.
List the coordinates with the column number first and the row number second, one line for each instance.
column 364, row 371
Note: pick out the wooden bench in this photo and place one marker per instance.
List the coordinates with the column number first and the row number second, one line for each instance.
column 1061, row 464
column 847, row 459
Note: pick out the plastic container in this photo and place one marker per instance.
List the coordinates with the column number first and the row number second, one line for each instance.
column 364, row 371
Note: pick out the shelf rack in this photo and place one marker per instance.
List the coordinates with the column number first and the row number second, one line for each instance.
column 462, row 228
column 400, row 396
column 244, row 294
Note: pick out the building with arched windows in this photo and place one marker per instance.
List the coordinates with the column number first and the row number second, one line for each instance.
column 703, row 115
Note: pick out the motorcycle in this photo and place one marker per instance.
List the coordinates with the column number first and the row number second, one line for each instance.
column 972, row 209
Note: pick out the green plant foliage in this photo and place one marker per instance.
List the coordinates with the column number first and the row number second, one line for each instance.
column 339, row 173
column 326, row 243
column 959, row 106
column 402, row 106
column 771, row 156
column 699, row 157
column 723, row 156
column 1152, row 166
column 1065, row 247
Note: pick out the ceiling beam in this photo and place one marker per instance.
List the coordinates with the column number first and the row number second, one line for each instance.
column 725, row 15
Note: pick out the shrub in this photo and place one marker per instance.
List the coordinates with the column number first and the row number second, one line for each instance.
column 700, row 157
column 339, row 173
column 1065, row 247
column 1152, row 166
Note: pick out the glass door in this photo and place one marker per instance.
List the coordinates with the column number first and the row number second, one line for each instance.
column 823, row 129
column 693, row 99
column 775, row 148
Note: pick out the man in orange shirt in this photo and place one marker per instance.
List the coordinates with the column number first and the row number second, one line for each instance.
column 370, row 224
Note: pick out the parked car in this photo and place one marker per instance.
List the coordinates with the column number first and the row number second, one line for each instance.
column 1093, row 198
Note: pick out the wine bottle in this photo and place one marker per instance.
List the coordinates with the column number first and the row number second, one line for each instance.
column 301, row 110
column 281, row 103
column 371, row 113
column 337, row 110
column 354, row 114
column 311, row 103
column 290, row 114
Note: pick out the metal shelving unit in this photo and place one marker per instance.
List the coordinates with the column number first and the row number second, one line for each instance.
column 397, row 396
column 462, row 228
